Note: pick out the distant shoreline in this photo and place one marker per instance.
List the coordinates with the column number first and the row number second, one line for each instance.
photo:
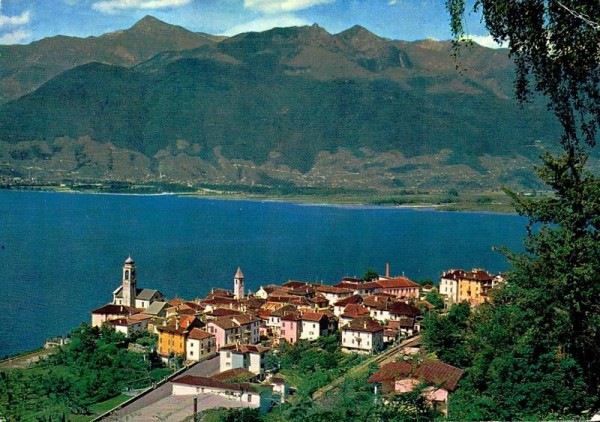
column 371, row 200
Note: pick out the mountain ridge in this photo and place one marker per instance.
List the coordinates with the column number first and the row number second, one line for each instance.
column 288, row 106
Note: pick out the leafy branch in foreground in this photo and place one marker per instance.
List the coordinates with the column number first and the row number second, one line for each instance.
column 533, row 352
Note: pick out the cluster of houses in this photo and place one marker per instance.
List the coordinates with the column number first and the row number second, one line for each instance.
column 468, row 286
column 241, row 327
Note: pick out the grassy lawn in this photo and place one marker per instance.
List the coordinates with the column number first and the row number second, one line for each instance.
column 99, row 408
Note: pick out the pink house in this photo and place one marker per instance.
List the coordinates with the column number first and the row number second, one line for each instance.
column 234, row 329
column 402, row 377
column 291, row 328
column 401, row 287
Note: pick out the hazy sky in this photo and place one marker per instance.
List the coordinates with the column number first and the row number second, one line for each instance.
column 24, row 21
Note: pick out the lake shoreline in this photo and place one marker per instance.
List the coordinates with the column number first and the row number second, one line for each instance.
column 410, row 202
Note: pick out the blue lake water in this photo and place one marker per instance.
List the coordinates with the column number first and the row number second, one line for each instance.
column 61, row 254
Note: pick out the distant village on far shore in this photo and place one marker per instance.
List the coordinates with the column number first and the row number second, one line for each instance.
column 240, row 328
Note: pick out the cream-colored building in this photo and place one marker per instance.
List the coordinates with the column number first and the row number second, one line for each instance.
column 200, row 345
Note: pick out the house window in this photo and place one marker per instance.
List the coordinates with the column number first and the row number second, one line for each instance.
column 191, row 353
column 249, row 398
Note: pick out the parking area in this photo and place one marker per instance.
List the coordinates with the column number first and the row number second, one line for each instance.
column 180, row 408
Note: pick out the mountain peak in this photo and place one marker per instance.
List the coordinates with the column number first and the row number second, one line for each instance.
column 150, row 23
column 358, row 34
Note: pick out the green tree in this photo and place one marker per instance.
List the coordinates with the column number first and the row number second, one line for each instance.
column 538, row 342
column 446, row 335
column 435, row 299
column 370, row 275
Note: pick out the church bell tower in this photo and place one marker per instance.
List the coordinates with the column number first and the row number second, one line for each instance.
column 129, row 282
column 238, row 284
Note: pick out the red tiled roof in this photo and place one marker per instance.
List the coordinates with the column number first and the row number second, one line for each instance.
column 302, row 291
column 292, row 316
column 186, row 320
column 232, row 321
column 369, row 285
column 333, row 290
column 354, row 299
column 225, row 312
column 295, row 284
column 479, row 275
column 195, row 306
column 284, row 310
column 140, row 317
column 364, row 324
column 347, row 285
column 176, row 301
column 198, row 334
column 391, row 372
column 217, row 300
column 318, row 299
column 205, row 382
column 401, row 308
column 264, row 313
column 439, row 373
column 454, row 274
column 375, row 301
column 396, row 283
column 353, row 311
column 281, row 298
column 234, row 374
column 433, row 372
column 313, row 316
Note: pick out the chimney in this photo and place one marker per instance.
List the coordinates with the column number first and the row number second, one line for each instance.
column 387, row 269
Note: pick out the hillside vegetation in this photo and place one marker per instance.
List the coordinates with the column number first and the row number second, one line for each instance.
column 294, row 107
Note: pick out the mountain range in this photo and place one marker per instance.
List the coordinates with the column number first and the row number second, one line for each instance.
column 296, row 107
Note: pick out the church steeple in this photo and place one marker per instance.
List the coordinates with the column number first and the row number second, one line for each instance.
column 238, row 284
column 129, row 282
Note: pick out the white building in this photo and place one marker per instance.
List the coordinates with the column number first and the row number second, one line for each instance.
column 362, row 335
column 200, row 345
column 243, row 395
column 449, row 285
column 246, row 356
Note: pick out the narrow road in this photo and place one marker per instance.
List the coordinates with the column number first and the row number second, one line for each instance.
column 202, row 369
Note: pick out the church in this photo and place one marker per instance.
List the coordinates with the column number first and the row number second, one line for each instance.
column 128, row 294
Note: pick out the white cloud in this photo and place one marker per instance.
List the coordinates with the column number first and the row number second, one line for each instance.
column 278, row 6
column 21, row 19
column 15, row 37
column 264, row 24
column 113, row 6
column 392, row 2
column 485, row 41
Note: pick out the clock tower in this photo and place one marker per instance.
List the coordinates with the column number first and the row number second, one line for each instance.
column 238, row 284
column 129, row 282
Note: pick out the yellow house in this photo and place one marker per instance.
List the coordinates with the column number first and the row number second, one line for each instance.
column 473, row 287
column 173, row 336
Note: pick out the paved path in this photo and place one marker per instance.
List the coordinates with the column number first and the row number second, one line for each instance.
column 24, row 361
column 205, row 368
column 181, row 408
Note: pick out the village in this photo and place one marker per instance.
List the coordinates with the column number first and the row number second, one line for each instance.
column 241, row 328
